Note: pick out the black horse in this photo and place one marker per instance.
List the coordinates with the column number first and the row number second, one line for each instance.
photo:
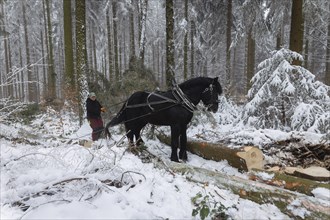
column 173, row 108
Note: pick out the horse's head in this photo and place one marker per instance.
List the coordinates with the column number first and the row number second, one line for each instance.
column 210, row 95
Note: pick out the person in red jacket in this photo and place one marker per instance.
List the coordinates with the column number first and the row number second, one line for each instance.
column 94, row 109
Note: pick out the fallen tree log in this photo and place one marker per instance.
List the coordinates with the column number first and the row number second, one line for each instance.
column 258, row 192
column 244, row 158
column 313, row 173
column 288, row 181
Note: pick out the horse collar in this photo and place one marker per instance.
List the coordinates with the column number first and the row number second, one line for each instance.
column 183, row 99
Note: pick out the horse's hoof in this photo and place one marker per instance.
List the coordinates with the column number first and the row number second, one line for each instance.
column 175, row 160
column 183, row 156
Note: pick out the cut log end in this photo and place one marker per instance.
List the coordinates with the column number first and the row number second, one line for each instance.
column 253, row 157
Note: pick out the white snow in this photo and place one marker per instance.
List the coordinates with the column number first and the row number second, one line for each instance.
column 322, row 193
column 31, row 169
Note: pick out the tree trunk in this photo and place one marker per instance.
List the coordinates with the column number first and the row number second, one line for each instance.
column 250, row 63
column 46, row 58
column 185, row 43
column 68, row 47
column 144, row 8
column 32, row 88
column 132, row 34
column 169, row 43
column 115, row 40
column 228, row 43
column 81, row 56
column 297, row 29
column 288, row 180
column 51, row 71
column 110, row 52
column 192, row 50
column 306, row 55
column 327, row 58
column 9, row 88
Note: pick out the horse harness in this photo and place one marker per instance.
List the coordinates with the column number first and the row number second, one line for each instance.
column 180, row 98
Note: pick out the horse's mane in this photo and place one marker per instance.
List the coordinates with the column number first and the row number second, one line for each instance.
column 196, row 81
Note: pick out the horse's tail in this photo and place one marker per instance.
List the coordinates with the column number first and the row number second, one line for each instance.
column 119, row 118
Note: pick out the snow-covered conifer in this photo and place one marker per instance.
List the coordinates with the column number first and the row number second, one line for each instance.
column 287, row 96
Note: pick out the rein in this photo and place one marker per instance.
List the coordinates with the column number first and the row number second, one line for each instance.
column 187, row 104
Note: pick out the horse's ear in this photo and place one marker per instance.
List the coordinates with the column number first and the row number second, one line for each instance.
column 215, row 79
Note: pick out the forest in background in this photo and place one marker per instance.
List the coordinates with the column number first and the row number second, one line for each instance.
column 56, row 50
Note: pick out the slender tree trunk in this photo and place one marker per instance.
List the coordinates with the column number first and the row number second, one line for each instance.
column 23, row 90
column 228, row 43
column 46, row 63
column 185, row 43
column 306, row 55
column 81, row 56
column 169, row 43
column 110, row 52
column 32, row 88
column 90, row 73
column 279, row 39
column 68, row 47
column 144, row 8
column 115, row 39
column 51, row 69
column 297, row 29
column 327, row 58
column 132, row 35
column 192, row 50
column 94, row 52
column 9, row 88
column 250, row 63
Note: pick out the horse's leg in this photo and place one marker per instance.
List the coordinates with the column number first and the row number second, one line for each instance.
column 137, row 134
column 175, row 133
column 138, row 138
column 183, row 142
column 129, row 135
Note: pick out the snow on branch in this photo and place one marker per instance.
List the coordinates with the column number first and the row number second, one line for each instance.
column 8, row 107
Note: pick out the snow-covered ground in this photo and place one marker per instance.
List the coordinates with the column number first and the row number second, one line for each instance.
column 44, row 167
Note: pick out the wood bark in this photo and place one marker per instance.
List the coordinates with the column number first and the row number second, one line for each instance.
column 169, row 42
column 327, row 57
column 32, row 84
column 51, row 70
column 115, row 40
column 250, row 63
column 143, row 22
column 297, row 28
column 132, row 28
column 185, row 43
column 68, row 46
column 110, row 52
column 243, row 158
column 289, row 181
column 81, row 55
column 192, row 49
column 228, row 43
